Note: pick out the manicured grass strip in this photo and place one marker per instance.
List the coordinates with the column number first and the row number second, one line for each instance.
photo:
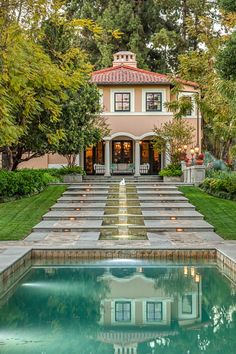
column 219, row 212
column 18, row 217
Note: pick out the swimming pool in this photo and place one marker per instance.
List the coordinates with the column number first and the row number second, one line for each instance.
column 122, row 307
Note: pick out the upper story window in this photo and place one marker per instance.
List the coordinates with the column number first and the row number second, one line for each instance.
column 189, row 97
column 154, row 311
column 187, row 304
column 122, row 102
column 153, row 101
column 190, row 110
column 123, row 311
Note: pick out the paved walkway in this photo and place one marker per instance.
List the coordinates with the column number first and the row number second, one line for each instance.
column 83, row 212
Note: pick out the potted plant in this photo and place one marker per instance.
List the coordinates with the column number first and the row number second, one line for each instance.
column 199, row 159
column 172, row 173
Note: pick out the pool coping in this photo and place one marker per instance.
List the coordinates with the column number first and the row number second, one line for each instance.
column 13, row 259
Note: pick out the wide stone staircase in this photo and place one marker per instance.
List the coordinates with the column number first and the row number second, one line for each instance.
column 146, row 209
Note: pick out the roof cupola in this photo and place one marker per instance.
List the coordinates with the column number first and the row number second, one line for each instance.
column 125, row 58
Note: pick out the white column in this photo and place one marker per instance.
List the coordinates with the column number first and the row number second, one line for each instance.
column 107, row 158
column 81, row 159
column 137, row 158
column 77, row 160
column 167, row 157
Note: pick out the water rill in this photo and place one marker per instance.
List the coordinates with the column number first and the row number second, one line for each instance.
column 123, row 217
column 123, row 230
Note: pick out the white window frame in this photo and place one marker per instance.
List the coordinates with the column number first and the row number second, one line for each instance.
column 154, row 90
column 112, row 100
column 164, row 311
column 194, row 105
column 113, row 312
column 101, row 98
column 186, row 316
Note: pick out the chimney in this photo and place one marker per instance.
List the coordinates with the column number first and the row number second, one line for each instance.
column 125, row 58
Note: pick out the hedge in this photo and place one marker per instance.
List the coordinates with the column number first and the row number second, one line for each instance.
column 27, row 182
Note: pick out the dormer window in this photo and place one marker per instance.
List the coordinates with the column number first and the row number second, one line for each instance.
column 122, row 102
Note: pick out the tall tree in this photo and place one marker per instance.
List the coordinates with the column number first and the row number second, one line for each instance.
column 81, row 122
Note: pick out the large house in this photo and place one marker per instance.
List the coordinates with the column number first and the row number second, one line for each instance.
column 133, row 102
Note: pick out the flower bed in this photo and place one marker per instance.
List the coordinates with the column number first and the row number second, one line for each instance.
column 172, row 170
column 221, row 184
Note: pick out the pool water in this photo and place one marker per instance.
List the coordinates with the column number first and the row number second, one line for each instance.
column 127, row 308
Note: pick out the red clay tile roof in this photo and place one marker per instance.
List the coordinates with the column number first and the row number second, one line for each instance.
column 127, row 75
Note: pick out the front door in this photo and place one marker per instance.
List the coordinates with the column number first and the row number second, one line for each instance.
column 92, row 155
column 122, row 151
column 148, row 155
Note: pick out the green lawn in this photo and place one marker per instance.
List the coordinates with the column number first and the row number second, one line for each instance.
column 220, row 213
column 18, row 217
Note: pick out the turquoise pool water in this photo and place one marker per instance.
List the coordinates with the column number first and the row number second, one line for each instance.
column 129, row 308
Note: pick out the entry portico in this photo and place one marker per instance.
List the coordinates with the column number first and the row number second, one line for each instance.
column 127, row 153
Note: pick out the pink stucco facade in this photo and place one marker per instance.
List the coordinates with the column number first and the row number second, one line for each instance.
column 135, row 124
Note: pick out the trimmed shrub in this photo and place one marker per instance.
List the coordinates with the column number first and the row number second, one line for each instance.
column 66, row 171
column 172, row 170
column 23, row 182
column 221, row 184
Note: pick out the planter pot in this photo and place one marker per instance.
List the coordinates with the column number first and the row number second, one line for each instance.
column 172, row 178
column 199, row 162
column 72, row 178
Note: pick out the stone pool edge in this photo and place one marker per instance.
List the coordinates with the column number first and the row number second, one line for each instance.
column 12, row 260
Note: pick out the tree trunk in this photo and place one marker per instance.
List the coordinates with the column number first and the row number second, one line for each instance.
column 184, row 26
column 9, row 158
column 17, row 158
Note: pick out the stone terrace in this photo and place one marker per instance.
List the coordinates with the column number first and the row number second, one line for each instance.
column 157, row 213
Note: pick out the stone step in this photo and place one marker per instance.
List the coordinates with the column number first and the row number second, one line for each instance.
column 166, row 206
column 142, row 199
column 178, row 225
column 74, row 206
column 125, row 176
column 156, row 188
column 150, row 226
column 95, row 188
column 145, row 206
column 85, row 193
column 99, row 215
column 171, row 215
column 106, row 194
column 73, row 214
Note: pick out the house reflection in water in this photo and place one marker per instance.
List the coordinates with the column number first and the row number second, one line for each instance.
column 143, row 305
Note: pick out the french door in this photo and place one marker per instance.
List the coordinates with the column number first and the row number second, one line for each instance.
column 122, row 151
column 148, row 155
